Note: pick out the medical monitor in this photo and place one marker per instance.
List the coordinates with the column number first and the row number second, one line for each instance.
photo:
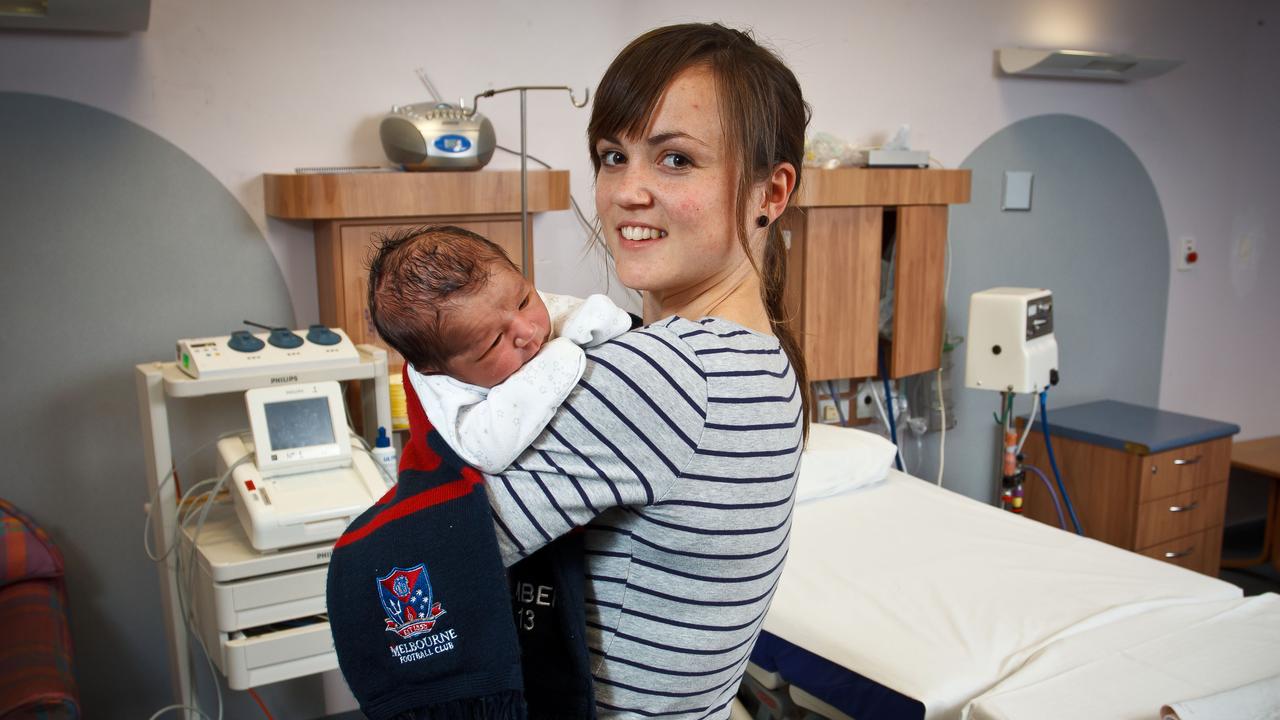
column 298, row 428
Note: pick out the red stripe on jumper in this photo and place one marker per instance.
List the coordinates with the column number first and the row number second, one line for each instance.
column 428, row 498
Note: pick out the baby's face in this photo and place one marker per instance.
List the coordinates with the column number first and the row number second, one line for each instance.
column 499, row 328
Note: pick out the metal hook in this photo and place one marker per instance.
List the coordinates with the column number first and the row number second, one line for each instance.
column 573, row 99
column 524, row 155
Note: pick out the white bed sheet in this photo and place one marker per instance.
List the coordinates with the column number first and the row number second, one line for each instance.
column 940, row 597
column 1128, row 671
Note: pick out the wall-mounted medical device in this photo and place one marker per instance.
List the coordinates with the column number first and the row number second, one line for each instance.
column 305, row 485
column 244, row 353
column 1011, row 346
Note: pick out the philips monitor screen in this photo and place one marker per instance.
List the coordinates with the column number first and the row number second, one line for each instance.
column 299, row 423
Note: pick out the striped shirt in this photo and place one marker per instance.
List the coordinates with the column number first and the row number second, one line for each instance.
column 678, row 451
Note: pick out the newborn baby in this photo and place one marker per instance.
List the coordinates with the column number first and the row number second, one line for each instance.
column 490, row 357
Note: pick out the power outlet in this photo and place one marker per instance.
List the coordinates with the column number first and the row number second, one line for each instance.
column 866, row 405
column 1187, row 255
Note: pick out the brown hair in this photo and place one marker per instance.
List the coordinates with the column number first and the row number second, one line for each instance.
column 414, row 274
column 764, row 116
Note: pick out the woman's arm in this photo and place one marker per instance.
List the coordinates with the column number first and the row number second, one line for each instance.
column 621, row 438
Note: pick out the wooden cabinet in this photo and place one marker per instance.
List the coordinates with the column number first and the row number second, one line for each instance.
column 838, row 225
column 351, row 210
column 1168, row 504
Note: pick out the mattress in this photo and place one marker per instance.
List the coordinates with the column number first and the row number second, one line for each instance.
column 939, row 597
column 1128, row 671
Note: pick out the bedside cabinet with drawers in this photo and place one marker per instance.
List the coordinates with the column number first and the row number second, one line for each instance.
column 1146, row 480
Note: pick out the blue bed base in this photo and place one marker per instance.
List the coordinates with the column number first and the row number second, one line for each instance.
column 844, row 689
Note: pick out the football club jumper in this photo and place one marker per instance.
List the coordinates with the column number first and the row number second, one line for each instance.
column 417, row 596
column 420, row 605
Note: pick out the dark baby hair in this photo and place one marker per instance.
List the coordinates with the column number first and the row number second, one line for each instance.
column 414, row 274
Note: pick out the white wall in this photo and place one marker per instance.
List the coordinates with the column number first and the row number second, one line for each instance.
column 248, row 87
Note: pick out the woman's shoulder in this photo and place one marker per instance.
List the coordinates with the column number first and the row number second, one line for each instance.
column 664, row 346
column 693, row 342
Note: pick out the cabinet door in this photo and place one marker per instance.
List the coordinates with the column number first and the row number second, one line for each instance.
column 917, row 290
column 834, row 288
column 1101, row 482
column 343, row 251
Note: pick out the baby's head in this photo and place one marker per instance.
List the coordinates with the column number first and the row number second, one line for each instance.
column 452, row 303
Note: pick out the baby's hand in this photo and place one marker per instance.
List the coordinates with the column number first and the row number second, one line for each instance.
column 595, row 321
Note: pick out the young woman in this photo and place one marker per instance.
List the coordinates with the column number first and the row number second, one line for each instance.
column 678, row 450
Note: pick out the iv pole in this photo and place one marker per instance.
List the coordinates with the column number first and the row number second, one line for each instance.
column 524, row 155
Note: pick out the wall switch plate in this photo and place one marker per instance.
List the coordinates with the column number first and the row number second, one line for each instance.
column 1017, row 190
column 1187, row 255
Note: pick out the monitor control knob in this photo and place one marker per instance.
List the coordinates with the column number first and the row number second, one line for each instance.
column 245, row 342
column 284, row 338
column 322, row 335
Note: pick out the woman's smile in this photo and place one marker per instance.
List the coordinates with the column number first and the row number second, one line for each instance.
column 633, row 236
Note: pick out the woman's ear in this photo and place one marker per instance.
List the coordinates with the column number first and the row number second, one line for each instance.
column 777, row 190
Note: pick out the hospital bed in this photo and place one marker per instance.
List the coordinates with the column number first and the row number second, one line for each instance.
column 901, row 599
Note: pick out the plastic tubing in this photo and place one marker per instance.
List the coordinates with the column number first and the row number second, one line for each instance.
column 1053, row 462
column 1062, row 522
column 888, row 402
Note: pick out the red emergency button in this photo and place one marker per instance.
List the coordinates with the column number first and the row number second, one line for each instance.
column 1192, row 257
column 248, row 484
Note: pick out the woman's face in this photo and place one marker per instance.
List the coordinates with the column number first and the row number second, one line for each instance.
column 665, row 200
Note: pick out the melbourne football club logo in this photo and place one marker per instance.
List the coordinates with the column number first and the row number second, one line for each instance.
column 406, row 599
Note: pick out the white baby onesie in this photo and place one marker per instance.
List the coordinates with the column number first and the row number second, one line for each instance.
column 490, row 427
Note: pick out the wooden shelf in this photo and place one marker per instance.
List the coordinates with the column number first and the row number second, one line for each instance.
column 844, row 187
column 411, row 194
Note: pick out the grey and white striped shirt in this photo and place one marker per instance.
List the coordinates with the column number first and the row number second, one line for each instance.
column 678, row 450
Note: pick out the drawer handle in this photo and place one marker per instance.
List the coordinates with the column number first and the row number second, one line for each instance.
column 1193, row 461
column 1176, row 555
column 1184, row 508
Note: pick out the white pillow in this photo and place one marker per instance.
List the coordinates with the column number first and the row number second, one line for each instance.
column 838, row 460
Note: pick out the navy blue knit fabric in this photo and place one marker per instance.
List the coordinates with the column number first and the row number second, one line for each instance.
column 418, row 599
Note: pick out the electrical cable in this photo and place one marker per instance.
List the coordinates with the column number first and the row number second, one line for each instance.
column 1053, row 495
column 184, row 570
column 942, row 443
column 888, row 400
column 1048, row 444
column 587, row 227
column 835, row 400
column 942, row 403
column 1031, row 419
column 169, row 708
column 261, row 704
column 155, row 494
column 884, row 418
column 592, row 230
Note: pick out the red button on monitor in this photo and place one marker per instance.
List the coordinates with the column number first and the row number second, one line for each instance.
column 248, row 484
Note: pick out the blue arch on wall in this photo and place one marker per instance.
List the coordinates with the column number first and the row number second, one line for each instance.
column 1096, row 237
column 115, row 244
